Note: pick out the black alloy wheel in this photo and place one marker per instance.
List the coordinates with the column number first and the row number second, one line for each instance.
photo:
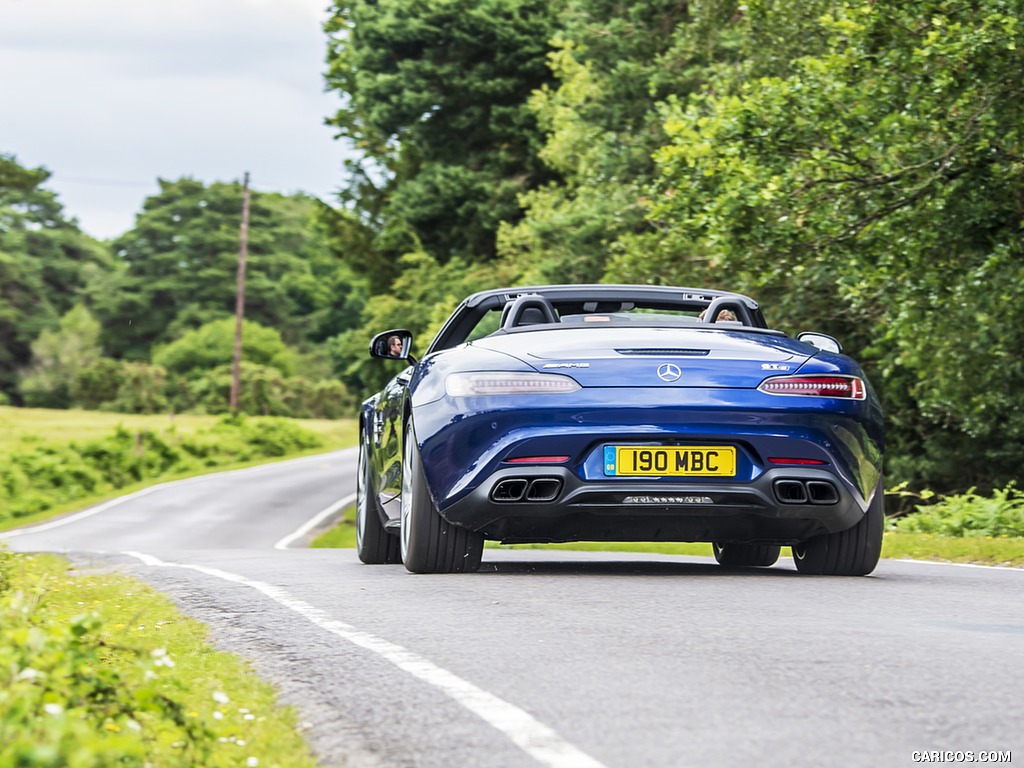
column 853, row 552
column 374, row 545
column 430, row 544
column 746, row 555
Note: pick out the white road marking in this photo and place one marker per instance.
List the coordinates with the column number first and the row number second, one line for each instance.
column 960, row 565
column 533, row 737
column 62, row 521
column 314, row 521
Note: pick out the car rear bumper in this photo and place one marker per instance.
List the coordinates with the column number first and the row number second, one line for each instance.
column 549, row 504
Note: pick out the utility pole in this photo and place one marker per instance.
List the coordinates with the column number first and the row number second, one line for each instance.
column 243, row 249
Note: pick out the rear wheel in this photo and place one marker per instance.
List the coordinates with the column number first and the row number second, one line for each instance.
column 853, row 552
column 430, row 544
column 737, row 555
column 374, row 545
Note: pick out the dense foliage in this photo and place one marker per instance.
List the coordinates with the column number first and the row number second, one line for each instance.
column 146, row 323
column 855, row 165
column 435, row 97
column 969, row 515
column 45, row 263
column 177, row 268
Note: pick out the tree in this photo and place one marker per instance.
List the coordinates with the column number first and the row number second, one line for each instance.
column 883, row 170
column 47, row 265
column 613, row 63
column 57, row 358
column 435, row 100
column 212, row 345
column 180, row 261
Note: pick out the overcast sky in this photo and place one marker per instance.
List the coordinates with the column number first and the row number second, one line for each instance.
column 109, row 95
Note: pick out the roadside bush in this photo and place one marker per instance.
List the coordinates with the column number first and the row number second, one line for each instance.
column 31, row 480
column 96, row 384
column 267, row 436
column 140, row 389
column 212, row 346
column 264, row 391
column 128, row 457
column 969, row 515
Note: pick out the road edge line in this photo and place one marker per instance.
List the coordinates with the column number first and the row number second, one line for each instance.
column 314, row 521
column 539, row 741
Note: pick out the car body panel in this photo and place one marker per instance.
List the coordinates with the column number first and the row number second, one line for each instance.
column 472, row 447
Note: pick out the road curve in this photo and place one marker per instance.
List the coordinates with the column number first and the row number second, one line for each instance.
column 573, row 659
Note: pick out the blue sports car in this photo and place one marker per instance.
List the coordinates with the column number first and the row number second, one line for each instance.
column 620, row 413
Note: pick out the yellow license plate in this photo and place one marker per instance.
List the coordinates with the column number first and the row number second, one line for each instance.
column 670, row 461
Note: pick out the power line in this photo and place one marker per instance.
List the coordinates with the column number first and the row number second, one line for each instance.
column 101, row 182
column 150, row 184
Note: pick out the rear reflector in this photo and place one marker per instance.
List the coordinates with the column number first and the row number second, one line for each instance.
column 845, row 387
column 795, row 462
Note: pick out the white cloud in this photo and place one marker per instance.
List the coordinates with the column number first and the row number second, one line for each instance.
column 111, row 94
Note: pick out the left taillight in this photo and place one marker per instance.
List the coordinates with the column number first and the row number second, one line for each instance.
column 482, row 383
column 842, row 387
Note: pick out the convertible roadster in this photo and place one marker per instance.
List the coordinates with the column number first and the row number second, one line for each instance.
column 620, row 413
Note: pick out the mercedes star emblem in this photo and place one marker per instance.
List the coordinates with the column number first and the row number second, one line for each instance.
column 669, row 372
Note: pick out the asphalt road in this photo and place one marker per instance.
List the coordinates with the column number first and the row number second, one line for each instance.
column 572, row 659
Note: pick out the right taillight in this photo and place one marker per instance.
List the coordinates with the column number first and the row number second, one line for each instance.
column 843, row 387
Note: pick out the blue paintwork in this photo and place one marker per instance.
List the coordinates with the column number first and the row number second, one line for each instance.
column 464, row 441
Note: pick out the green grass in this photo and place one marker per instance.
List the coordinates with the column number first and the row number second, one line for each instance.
column 32, row 426
column 226, row 711
column 342, row 535
column 1005, row 551
column 219, row 708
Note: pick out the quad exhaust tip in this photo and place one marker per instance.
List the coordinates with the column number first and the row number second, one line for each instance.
column 805, row 492
column 533, row 489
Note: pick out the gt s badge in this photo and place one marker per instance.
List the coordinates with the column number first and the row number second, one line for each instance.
column 775, row 367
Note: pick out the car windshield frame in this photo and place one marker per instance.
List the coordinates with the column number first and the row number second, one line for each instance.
column 632, row 305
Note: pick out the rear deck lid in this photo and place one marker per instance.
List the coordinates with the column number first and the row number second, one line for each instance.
column 655, row 357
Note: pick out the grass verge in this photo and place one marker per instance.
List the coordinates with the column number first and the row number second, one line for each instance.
column 1002, row 551
column 104, row 670
column 20, row 427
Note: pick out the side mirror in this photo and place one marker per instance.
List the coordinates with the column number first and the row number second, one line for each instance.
column 822, row 341
column 392, row 345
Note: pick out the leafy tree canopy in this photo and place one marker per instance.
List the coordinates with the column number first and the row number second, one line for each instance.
column 613, row 63
column 435, row 98
column 180, row 264
column 212, row 345
column 58, row 356
column 885, row 170
column 47, row 264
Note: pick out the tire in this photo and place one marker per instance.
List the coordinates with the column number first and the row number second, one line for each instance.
column 429, row 543
column 374, row 545
column 744, row 555
column 853, row 552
